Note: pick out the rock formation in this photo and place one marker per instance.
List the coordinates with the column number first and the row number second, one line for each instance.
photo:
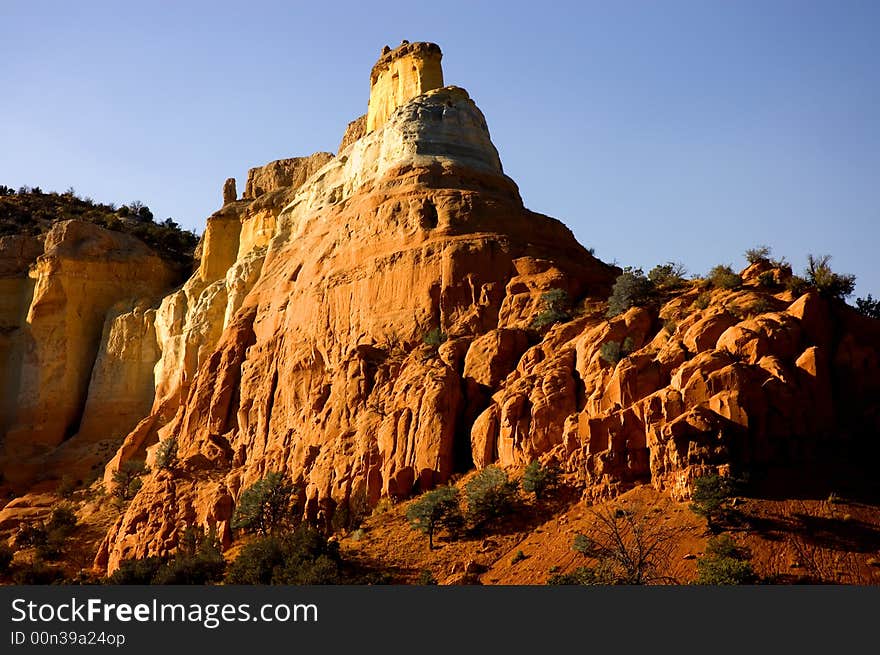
column 366, row 323
column 54, row 330
column 229, row 192
column 321, row 369
column 401, row 74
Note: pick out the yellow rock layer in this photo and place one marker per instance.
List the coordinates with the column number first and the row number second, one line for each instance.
column 400, row 75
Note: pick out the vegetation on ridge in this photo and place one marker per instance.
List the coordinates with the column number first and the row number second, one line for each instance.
column 31, row 211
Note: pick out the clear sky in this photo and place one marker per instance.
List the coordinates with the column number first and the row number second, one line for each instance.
column 657, row 131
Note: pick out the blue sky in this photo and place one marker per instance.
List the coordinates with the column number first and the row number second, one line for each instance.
column 657, row 131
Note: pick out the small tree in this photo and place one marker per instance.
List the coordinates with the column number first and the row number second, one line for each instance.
column 829, row 283
column 303, row 556
column 198, row 561
column 631, row 289
column 758, row 255
column 667, row 276
column 723, row 277
column 711, row 495
column 724, row 563
column 490, row 495
column 265, row 505
column 435, row 509
column 612, row 351
column 631, row 547
column 435, row 337
column 166, row 453
column 538, row 479
column 127, row 479
column 868, row 306
column 557, row 309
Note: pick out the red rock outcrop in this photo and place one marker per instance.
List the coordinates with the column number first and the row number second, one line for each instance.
column 322, row 371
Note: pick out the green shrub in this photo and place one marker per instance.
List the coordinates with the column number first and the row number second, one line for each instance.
column 518, row 557
column 724, row 563
column 198, row 561
column 435, row 509
column 767, row 280
column 631, row 289
column 137, row 571
column 758, row 254
column 538, row 479
column 612, row 351
column 301, row 557
column 557, row 309
column 435, row 337
column 710, row 497
column 670, row 275
column 829, row 283
column 166, row 453
column 265, row 505
column 427, row 578
column 723, row 277
column 490, row 495
column 127, row 479
column 583, row 575
column 797, row 285
column 62, row 519
column 702, row 301
column 868, row 306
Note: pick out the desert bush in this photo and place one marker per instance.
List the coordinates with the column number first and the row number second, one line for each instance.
column 710, row 498
column 767, row 280
column 265, row 505
column 127, row 479
column 724, row 563
column 490, row 495
column 435, row 337
column 631, row 546
column 828, row 283
column 198, row 561
column 612, row 351
column 702, row 301
column 723, row 277
column 797, row 285
column 141, row 571
column 758, row 254
column 868, row 306
column 583, row 575
column 518, row 557
column 670, row 275
column 300, row 557
column 435, row 509
column 631, row 289
column 166, row 453
column 557, row 309
column 539, row 479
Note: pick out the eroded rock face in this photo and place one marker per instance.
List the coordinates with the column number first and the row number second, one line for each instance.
column 81, row 274
column 283, row 173
column 322, row 371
